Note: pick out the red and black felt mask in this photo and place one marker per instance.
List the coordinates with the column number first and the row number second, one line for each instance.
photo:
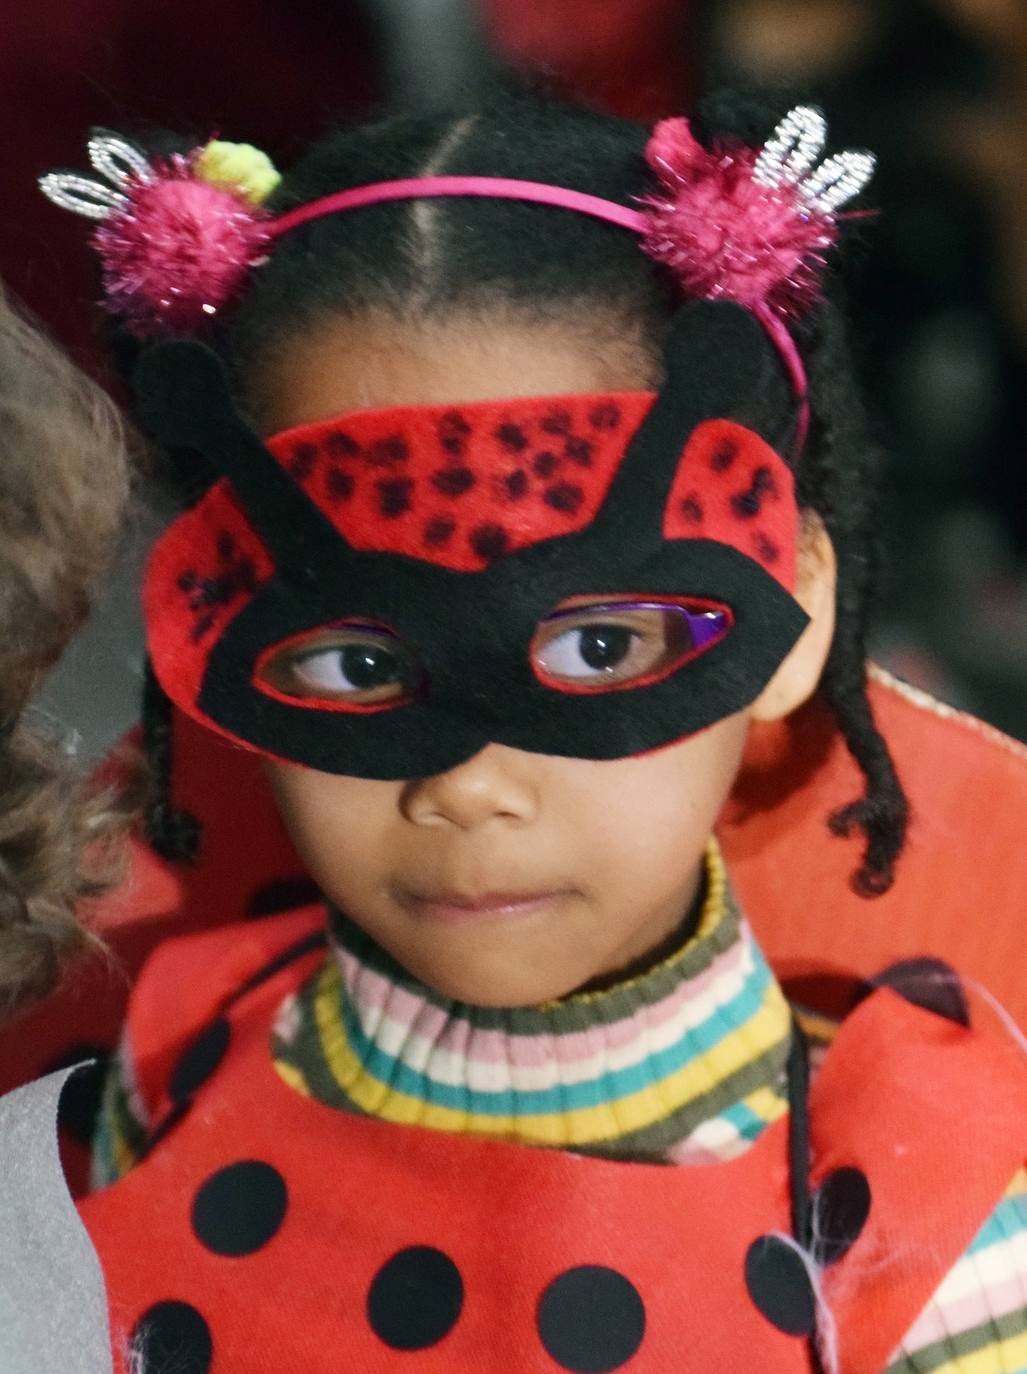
column 384, row 593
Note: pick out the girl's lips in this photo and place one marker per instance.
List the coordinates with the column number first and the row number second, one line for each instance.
column 452, row 907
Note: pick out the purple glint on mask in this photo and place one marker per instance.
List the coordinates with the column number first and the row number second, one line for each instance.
column 703, row 625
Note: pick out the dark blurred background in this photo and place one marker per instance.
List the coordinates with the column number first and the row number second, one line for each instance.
column 937, row 88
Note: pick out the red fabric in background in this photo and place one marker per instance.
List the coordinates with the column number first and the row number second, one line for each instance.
column 637, row 58
column 270, row 73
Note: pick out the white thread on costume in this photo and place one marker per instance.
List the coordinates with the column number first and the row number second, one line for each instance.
column 827, row 1328
column 793, row 147
column 1005, row 1017
column 118, row 160
column 82, row 194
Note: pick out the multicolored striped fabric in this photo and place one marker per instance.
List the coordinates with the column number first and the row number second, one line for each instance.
column 685, row 1062
column 121, row 1127
column 976, row 1323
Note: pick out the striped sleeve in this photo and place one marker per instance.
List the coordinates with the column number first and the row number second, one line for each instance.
column 121, row 1125
column 976, row 1323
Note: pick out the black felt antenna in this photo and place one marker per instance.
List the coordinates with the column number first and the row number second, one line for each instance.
column 184, row 400
column 720, row 364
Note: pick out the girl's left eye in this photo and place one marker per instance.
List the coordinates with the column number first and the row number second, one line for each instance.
column 357, row 667
column 615, row 645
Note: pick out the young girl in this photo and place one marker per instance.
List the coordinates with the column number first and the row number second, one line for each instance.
column 561, row 488
column 63, row 489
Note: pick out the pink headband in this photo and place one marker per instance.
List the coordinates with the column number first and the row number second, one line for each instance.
column 541, row 193
column 740, row 224
column 500, row 188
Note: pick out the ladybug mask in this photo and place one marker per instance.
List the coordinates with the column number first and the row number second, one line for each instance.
column 384, row 593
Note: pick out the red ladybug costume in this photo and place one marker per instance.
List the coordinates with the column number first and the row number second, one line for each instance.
column 265, row 1230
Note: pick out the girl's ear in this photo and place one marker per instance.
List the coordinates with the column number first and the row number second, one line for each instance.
column 817, row 578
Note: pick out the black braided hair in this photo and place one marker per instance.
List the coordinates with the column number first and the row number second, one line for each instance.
column 425, row 260
column 173, row 834
column 838, row 478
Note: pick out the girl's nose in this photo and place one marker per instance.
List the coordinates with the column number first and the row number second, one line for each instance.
column 496, row 784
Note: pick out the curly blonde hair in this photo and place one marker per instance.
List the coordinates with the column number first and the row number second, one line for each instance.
column 64, row 486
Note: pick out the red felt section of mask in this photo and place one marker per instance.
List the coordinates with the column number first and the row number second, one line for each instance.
column 206, row 567
column 732, row 487
column 460, row 486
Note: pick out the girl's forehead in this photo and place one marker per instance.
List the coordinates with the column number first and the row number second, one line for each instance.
column 376, row 362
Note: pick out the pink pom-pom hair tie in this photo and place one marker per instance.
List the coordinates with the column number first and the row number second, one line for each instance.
column 174, row 246
column 739, row 224
column 752, row 225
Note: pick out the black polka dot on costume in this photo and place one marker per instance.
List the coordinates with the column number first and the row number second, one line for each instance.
column 439, row 531
column 453, row 432
column 746, row 504
column 339, row 484
column 304, row 456
column 766, row 549
column 780, row 1286
column 724, row 455
column 515, row 485
column 556, row 421
column 512, row 437
column 240, row 1208
column 394, row 495
column 171, row 1336
column 578, row 451
column 691, row 509
column 544, row 464
column 489, row 542
column 200, row 1060
column 453, row 481
column 591, row 1319
column 341, row 445
column 415, row 1298
column 564, row 497
column 606, row 415
column 388, row 452
column 749, row 503
column 225, row 546
column 841, row 1206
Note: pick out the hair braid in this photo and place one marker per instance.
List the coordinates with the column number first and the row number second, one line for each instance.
column 173, row 834
column 837, row 477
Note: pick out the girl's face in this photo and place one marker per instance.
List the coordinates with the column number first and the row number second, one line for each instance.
column 514, row 878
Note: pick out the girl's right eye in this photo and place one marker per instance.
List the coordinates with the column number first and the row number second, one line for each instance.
column 356, row 667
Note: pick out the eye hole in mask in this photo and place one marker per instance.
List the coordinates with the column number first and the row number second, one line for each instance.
column 587, row 648
column 352, row 666
column 615, row 646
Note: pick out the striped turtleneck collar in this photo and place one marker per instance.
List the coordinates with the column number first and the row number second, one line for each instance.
column 684, row 1062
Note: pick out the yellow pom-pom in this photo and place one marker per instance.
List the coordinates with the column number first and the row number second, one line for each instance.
column 239, row 167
